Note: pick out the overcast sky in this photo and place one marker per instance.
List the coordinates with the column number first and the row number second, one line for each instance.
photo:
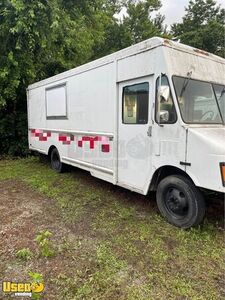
column 174, row 9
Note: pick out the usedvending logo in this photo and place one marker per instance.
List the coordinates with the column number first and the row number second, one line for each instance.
column 22, row 289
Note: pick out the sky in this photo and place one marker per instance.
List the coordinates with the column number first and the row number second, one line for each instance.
column 174, row 10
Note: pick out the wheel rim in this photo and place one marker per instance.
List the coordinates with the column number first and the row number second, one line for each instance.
column 176, row 203
column 55, row 161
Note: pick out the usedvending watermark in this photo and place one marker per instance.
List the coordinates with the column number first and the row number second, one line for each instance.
column 22, row 289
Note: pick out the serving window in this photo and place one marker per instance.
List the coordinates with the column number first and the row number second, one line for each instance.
column 56, row 102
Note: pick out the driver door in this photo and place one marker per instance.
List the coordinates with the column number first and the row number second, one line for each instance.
column 134, row 152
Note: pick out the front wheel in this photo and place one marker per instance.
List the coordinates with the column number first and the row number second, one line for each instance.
column 180, row 201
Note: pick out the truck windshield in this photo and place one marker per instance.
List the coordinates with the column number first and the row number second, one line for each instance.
column 200, row 102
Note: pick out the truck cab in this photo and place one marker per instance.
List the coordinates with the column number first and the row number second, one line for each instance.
column 200, row 107
column 197, row 112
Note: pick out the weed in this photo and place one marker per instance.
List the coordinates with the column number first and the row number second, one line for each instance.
column 24, row 254
column 37, row 284
column 44, row 243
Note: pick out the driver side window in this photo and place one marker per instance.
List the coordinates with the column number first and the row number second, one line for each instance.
column 165, row 108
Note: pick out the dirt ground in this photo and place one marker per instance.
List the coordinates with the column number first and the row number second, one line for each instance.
column 25, row 211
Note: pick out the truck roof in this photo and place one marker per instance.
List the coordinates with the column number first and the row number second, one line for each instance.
column 132, row 50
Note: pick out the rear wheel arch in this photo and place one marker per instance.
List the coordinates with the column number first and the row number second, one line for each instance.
column 56, row 162
column 51, row 148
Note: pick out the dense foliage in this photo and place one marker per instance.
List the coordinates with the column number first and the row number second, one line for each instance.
column 203, row 26
column 39, row 39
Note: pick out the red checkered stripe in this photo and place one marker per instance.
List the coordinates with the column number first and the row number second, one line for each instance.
column 105, row 146
column 42, row 135
column 67, row 139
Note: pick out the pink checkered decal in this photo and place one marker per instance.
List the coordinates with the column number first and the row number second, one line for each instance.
column 92, row 142
column 66, row 139
column 42, row 135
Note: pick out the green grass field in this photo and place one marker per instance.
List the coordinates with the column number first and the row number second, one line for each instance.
column 105, row 242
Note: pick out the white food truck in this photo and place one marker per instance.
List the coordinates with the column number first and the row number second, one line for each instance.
column 148, row 118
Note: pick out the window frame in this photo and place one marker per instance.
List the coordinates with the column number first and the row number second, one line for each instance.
column 156, row 102
column 199, row 80
column 62, row 117
column 123, row 98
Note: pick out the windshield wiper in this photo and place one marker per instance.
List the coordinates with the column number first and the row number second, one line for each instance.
column 222, row 93
column 218, row 104
column 186, row 82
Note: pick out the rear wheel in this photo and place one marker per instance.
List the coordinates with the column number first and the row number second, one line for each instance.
column 180, row 201
column 56, row 163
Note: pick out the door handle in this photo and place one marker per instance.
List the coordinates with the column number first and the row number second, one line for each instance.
column 149, row 132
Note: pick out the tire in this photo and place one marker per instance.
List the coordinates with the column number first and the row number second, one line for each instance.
column 56, row 163
column 180, row 202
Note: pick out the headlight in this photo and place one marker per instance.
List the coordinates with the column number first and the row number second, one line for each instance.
column 222, row 168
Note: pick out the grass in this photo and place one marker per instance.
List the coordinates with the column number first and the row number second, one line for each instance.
column 125, row 250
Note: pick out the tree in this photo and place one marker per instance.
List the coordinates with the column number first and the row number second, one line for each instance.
column 203, row 26
column 24, row 38
column 137, row 24
column 39, row 39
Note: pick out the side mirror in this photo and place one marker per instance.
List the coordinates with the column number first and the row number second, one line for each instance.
column 164, row 93
column 164, row 116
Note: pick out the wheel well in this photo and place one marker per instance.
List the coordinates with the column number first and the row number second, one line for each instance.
column 50, row 151
column 163, row 172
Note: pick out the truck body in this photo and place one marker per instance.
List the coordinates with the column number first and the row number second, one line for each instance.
column 133, row 118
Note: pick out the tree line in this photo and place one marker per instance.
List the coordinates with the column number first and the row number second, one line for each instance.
column 39, row 39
